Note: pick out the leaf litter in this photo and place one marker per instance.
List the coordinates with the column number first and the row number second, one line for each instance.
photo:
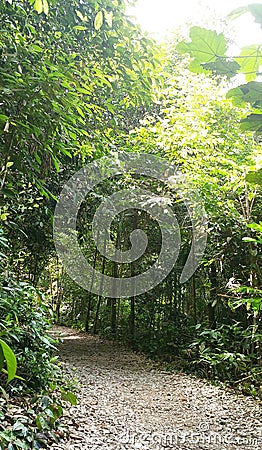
column 126, row 402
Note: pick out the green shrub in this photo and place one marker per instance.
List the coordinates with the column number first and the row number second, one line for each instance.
column 225, row 354
column 24, row 327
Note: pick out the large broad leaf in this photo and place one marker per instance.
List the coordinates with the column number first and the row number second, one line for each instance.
column 237, row 96
column 223, row 66
column 205, row 47
column 252, row 123
column 255, row 177
column 6, row 354
column 247, row 93
column 249, row 60
column 255, row 9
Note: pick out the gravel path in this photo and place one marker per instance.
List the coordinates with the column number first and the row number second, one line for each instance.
column 127, row 403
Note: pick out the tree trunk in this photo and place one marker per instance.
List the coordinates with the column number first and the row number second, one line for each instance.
column 89, row 306
column 213, row 296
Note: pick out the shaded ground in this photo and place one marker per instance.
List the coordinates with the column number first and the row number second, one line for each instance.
column 128, row 403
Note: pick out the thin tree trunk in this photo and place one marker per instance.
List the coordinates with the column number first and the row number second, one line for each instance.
column 194, row 299
column 95, row 328
column 89, row 306
column 113, row 302
column 132, row 301
column 60, row 293
column 213, row 296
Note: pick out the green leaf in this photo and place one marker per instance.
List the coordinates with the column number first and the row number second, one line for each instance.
column 237, row 12
column 98, row 20
column 237, row 97
column 56, row 163
column 255, row 177
column 38, row 5
column 205, row 47
column 255, row 9
column 250, row 92
column 8, row 193
column 249, row 60
column 35, row 48
column 223, row 66
column 2, row 358
column 41, row 423
column 3, row 117
column 253, row 122
column 65, row 152
column 80, row 28
column 255, row 226
column 56, row 411
column 79, row 110
column 10, row 359
column 69, row 397
column 45, row 7
column 109, row 18
column 37, row 158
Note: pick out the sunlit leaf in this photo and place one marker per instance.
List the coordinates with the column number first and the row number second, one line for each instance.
column 255, row 9
column 98, row 20
column 79, row 110
column 238, row 12
column 205, row 47
column 35, row 48
column 45, row 6
column 248, row 239
column 38, row 5
column 109, row 18
column 10, row 359
column 249, row 60
column 80, row 28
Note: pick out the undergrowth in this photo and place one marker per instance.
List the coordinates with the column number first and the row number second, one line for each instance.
column 32, row 403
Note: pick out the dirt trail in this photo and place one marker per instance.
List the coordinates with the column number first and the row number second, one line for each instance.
column 127, row 403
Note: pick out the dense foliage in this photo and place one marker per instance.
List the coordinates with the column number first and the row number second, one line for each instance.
column 78, row 80
column 211, row 325
column 73, row 76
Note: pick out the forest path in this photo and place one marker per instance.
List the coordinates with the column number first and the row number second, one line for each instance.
column 127, row 403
